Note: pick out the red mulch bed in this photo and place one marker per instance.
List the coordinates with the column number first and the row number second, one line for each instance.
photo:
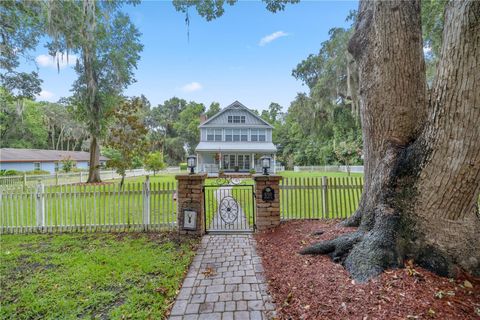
column 314, row 287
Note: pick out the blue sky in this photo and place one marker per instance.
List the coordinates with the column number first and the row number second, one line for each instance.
column 225, row 59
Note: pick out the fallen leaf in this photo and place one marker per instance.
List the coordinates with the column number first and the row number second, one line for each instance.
column 467, row 284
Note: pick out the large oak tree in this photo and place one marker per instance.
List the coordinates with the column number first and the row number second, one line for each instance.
column 422, row 147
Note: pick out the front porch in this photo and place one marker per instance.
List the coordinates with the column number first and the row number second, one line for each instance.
column 215, row 162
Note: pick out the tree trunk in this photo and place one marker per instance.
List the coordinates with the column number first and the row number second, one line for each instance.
column 94, row 169
column 422, row 156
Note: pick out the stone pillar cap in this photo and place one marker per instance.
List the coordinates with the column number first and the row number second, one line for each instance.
column 195, row 176
column 269, row 177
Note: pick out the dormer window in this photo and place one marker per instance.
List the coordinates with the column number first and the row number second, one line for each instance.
column 236, row 119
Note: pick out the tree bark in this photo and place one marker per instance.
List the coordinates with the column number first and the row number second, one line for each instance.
column 422, row 156
column 94, row 169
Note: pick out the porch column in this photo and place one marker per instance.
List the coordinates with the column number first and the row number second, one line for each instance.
column 220, row 162
column 274, row 163
column 199, row 163
column 253, row 161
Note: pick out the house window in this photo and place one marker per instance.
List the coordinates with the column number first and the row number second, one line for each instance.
column 210, row 134
column 214, row 134
column 258, row 135
column 36, row 166
column 218, row 134
column 236, row 134
column 246, row 162
column 244, row 135
column 228, row 135
column 262, row 136
column 236, row 119
column 254, row 135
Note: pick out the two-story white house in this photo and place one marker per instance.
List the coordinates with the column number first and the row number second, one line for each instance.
column 234, row 140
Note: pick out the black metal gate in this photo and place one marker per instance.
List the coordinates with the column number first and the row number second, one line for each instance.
column 229, row 208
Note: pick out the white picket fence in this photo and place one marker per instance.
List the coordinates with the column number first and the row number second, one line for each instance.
column 353, row 169
column 59, row 178
column 73, row 207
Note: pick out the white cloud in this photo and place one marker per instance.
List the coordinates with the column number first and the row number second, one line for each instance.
column 271, row 37
column 191, row 87
column 45, row 95
column 45, row 60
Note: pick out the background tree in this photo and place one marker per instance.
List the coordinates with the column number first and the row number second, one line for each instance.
column 25, row 130
column 187, row 125
column 21, row 26
column 154, row 162
column 348, row 152
column 67, row 164
column 213, row 109
column 108, row 45
column 128, row 136
column 422, row 157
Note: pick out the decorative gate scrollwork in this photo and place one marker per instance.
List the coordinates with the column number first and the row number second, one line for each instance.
column 228, row 181
column 229, row 209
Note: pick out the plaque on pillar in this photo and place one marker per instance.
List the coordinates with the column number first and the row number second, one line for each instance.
column 189, row 220
column 268, row 194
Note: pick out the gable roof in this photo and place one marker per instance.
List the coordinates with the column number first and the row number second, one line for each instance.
column 235, row 106
column 39, row 155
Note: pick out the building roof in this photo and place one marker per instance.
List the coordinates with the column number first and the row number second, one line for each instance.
column 217, row 146
column 237, row 106
column 39, row 155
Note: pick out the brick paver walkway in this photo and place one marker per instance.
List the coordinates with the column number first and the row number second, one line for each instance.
column 225, row 281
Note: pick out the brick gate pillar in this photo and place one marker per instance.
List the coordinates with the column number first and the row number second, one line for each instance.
column 190, row 199
column 267, row 203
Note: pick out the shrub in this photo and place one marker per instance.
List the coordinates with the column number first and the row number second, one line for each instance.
column 183, row 166
column 37, row 172
column 252, row 171
column 10, row 173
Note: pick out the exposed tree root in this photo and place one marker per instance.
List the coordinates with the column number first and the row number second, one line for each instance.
column 354, row 220
column 366, row 254
column 336, row 248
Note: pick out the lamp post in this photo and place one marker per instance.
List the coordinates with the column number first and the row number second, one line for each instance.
column 265, row 164
column 191, row 163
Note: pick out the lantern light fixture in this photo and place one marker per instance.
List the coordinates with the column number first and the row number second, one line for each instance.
column 192, row 163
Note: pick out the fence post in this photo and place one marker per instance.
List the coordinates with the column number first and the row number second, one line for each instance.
column 81, row 176
column 325, row 196
column 56, row 178
column 40, row 204
column 24, row 180
column 146, row 203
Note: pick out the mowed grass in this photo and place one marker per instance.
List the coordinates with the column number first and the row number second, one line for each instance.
column 92, row 276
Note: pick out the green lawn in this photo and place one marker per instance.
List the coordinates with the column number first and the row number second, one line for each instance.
column 94, row 276
column 311, row 174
